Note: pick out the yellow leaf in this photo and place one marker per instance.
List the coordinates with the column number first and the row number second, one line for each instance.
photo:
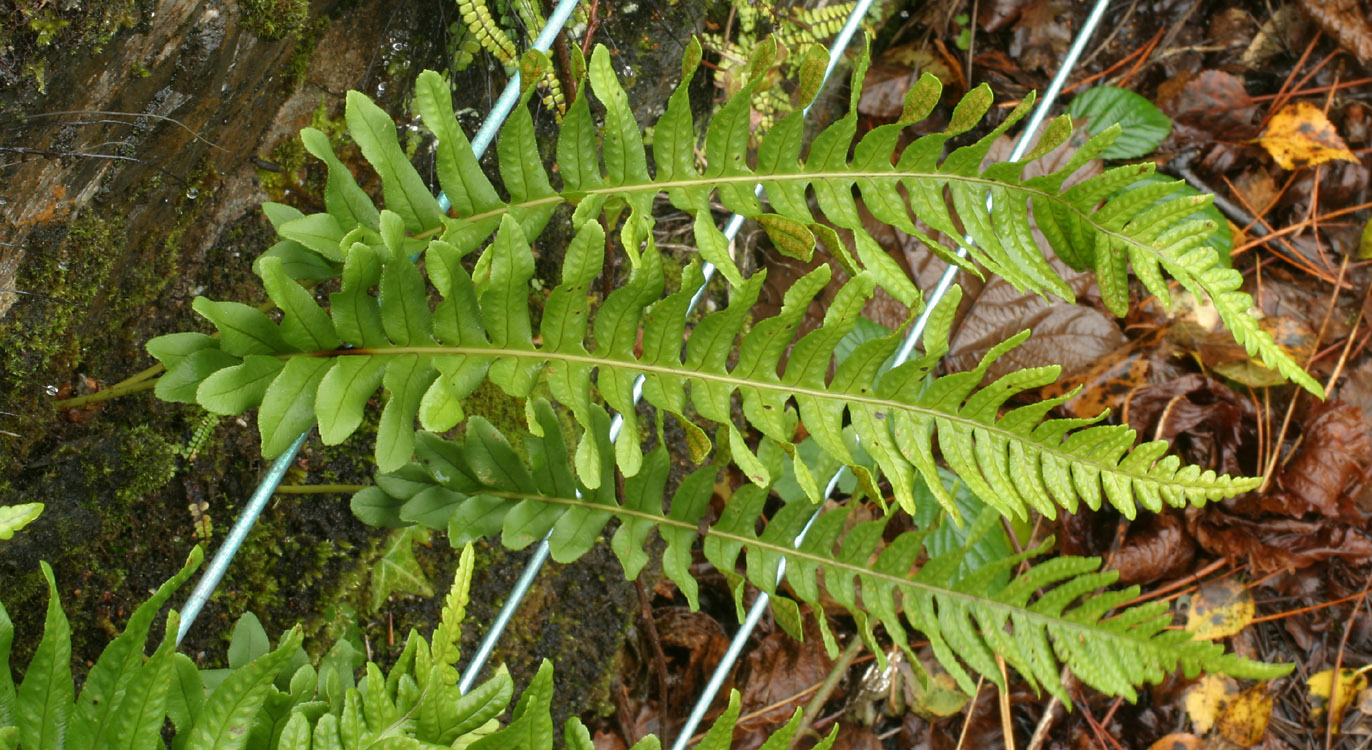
column 1301, row 136
column 1220, row 609
column 1321, row 686
column 1206, row 699
column 1243, row 720
column 1365, row 246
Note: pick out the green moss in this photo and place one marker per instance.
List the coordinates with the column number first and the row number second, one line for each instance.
column 46, row 23
column 274, row 19
column 148, row 462
column 299, row 63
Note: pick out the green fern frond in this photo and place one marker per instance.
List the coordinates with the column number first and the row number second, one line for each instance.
column 326, row 365
column 479, row 488
column 1084, row 224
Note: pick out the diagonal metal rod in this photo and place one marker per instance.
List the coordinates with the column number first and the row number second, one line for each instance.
column 219, row 564
column 907, row 347
column 540, row 555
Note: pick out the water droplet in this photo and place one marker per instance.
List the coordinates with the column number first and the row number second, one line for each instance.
column 51, row 390
column 192, row 194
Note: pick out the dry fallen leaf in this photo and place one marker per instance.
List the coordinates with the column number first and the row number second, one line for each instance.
column 1206, row 699
column 1321, row 688
column 1301, row 136
column 1328, row 464
column 1243, row 721
column 1346, row 21
column 1220, row 609
column 1239, row 717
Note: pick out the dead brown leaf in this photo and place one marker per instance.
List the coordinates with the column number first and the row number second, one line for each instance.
column 1157, row 547
column 1217, row 102
column 1334, row 451
column 1275, row 544
column 1073, row 336
column 1258, row 189
column 693, row 643
column 775, row 673
column 1346, row 21
column 1042, row 34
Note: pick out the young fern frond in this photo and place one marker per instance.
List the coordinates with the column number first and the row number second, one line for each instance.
column 1084, row 224
column 480, row 487
column 326, row 365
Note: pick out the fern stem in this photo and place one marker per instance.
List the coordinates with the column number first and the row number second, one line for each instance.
column 115, row 391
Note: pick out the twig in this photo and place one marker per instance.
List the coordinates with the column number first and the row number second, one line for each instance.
column 1051, row 714
column 1295, row 397
column 1338, row 666
column 659, row 659
column 971, row 711
column 1007, row 725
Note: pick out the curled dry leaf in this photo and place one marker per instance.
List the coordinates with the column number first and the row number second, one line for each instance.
column 693, row 642
column 1043, row 33
column 1157, row 547
column 1333, row 453
column 1274, row 544
column 1220, row 609
column 1300, row 135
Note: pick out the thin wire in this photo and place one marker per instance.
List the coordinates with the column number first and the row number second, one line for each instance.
column 219, row 565
column 540, row 555
column 759, row 607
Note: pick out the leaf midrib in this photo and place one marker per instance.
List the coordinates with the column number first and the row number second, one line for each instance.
column 741, row 383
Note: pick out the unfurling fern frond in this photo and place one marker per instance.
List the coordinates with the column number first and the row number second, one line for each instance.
column 480, row 487
column 326, row 365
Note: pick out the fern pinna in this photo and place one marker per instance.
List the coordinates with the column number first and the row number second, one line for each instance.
column 480, row 487
column 431, row 305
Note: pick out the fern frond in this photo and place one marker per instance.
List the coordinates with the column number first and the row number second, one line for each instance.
column 326, row 365
column 479, row 487
column 1091, row 224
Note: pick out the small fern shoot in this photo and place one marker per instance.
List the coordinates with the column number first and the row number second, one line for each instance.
column 1037, row 621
